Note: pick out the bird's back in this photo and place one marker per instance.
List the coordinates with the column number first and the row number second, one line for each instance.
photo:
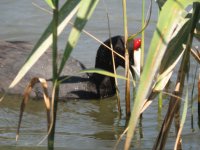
column 14, row 54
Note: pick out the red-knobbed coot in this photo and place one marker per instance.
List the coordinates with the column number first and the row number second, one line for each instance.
column 78, row 86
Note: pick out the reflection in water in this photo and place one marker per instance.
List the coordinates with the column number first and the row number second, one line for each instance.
column 78, row 121
column 87, row 124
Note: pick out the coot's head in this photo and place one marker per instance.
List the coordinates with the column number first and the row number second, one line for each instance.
column 104, row 55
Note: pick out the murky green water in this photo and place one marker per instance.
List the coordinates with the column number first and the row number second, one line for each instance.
column 80, row 124
column 83, row 125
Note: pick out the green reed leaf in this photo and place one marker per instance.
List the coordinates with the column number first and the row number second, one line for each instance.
column 163, row 34
column 50, row 3
column 103, row 72
column 65, row 14
column 84, row 13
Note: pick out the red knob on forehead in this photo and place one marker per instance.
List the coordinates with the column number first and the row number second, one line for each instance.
column 136, row 43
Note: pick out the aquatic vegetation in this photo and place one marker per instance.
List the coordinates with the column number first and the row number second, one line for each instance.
column 171, row 42
column 177, row 26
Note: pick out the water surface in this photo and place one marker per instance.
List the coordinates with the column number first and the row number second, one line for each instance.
column 80, row 124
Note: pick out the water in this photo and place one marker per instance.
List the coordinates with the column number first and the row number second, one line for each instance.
column 80, row 124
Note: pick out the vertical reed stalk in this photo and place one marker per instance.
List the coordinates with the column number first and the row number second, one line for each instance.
column 113, row 61
column 143, row 35
column 116, row 82
column 160, row 99
column 192, row 99
column 55, row 76
column 127, row 92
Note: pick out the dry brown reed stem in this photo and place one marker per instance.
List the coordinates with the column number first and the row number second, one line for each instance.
column 127, row 75
column 113, row 61
column 196, row 54
column 173, row 105
column 127, row 96
column 116, row 82
column 120, row 138
column 25, row 99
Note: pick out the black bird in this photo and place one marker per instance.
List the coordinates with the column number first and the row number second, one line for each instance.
column 82, row 86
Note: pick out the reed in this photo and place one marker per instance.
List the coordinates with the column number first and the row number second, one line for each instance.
column 127, row 90
column 143, row 36
column 55, row 75
column 114, row 67
column 61, row 18
column 164, row 52
column 192, row 99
